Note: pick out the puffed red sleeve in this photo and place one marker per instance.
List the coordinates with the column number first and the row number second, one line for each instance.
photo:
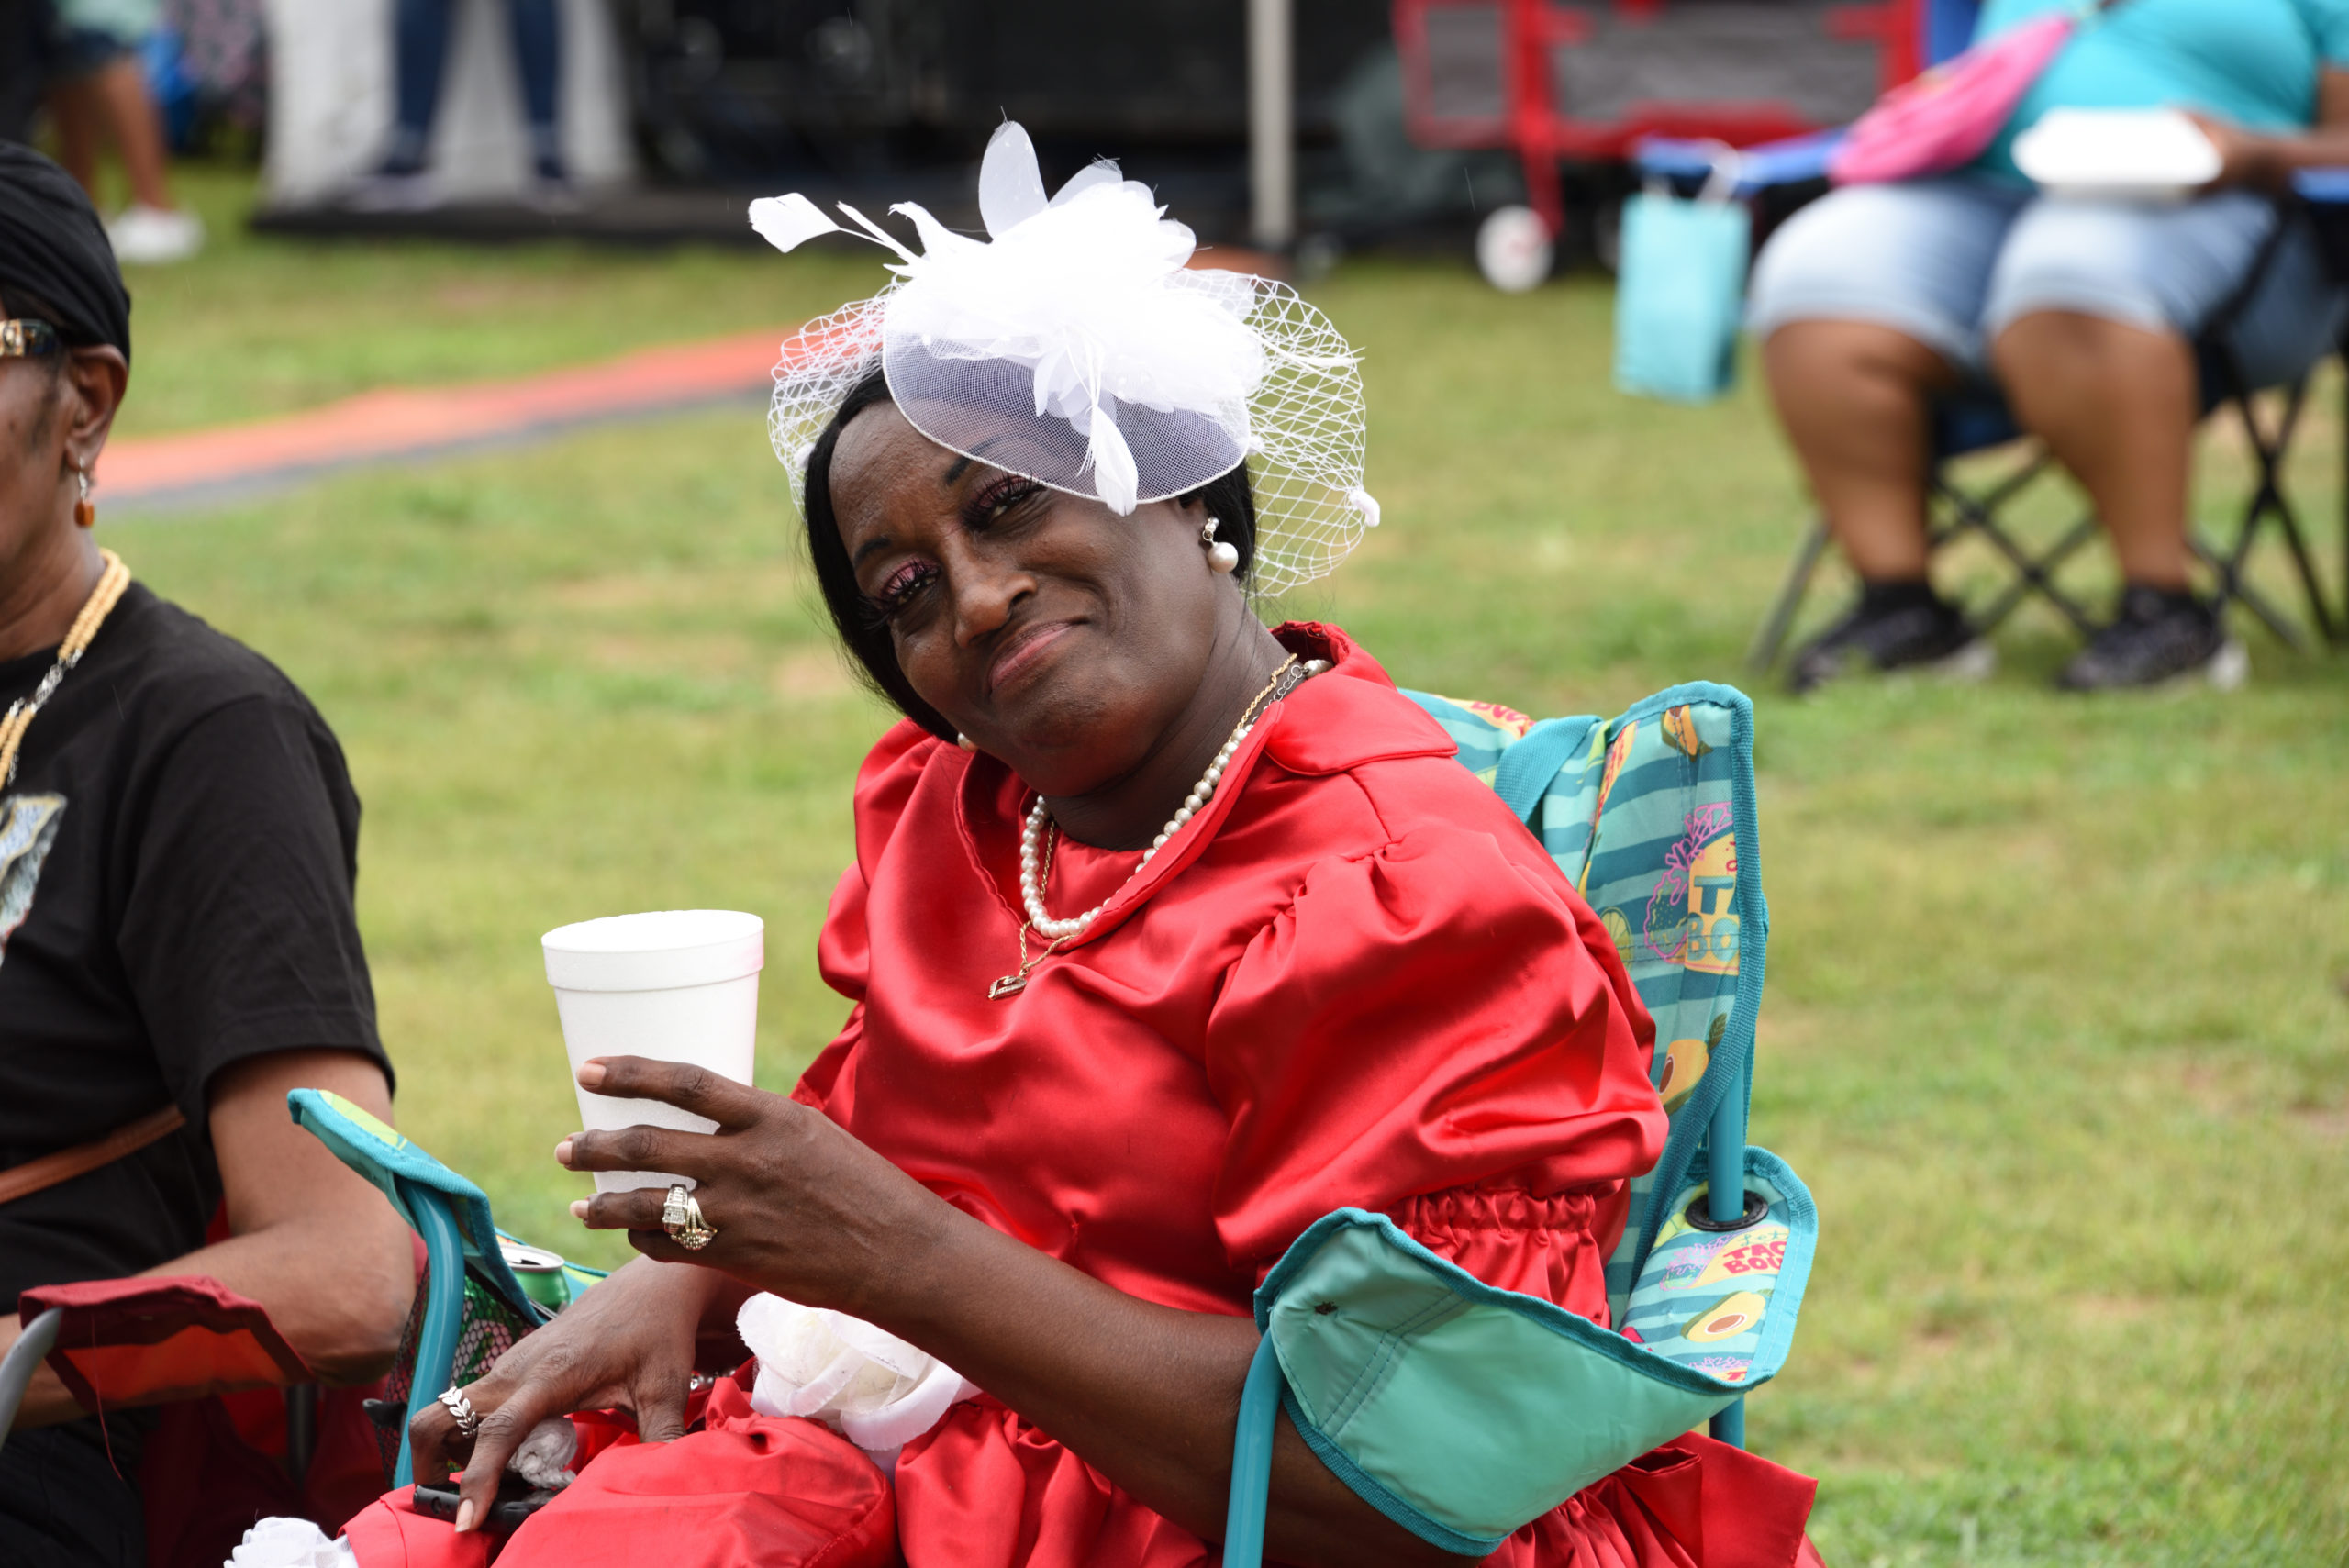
column 1430, row 1031
column 884, row 783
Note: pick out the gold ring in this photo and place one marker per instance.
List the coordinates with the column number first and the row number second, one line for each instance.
column 680, row 1216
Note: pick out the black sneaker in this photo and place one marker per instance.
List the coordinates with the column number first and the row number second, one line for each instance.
column 2157, row 638
column 1902, row 627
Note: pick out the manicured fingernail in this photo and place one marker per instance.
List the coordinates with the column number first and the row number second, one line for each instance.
column 464, row 1516
column 579, row 1208
column 562, row 1153
column 590, row 1075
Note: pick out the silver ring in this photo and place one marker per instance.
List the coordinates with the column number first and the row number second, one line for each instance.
column 680, row 1216
column 468, row 1419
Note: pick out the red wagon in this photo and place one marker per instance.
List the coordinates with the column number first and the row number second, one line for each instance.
column 1581, row 84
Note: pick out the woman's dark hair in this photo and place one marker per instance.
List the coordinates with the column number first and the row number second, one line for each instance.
column 1230, row 498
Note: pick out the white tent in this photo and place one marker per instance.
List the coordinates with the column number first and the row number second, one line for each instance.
column 331, row 100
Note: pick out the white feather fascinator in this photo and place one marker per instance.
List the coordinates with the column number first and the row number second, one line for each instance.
column 1074, row 347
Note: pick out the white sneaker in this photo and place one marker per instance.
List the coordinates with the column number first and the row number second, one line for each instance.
column 147, row 236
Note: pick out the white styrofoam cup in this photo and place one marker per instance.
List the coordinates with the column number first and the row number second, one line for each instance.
column 674, row 985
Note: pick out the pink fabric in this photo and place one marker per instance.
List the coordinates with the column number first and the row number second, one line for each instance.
column 1947, row 115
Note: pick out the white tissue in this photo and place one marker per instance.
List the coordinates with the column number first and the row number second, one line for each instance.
column 289, row 1543
column 870, row 1388
column 544, row 1457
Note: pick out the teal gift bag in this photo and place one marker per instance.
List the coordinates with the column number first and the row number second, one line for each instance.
column 1680, row 292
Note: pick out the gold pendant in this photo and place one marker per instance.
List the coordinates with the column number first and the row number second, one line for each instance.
column 1009, row 985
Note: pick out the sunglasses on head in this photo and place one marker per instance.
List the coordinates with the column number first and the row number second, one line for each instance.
column 24, row 337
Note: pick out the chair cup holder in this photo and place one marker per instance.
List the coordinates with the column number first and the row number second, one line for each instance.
column 1700, row 1213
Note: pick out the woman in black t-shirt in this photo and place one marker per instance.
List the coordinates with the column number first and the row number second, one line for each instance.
column 178, row 840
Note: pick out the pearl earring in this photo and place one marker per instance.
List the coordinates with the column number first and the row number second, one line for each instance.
column 1221, row 557
column 963, row 742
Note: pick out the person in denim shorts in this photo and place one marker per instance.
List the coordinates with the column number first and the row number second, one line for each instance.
column 97, row 88
column 1874, row 299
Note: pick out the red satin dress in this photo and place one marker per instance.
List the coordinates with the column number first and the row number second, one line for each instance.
column 1353, row 979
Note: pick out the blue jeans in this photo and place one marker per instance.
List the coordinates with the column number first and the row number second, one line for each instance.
column 1952, row 261
column 420, row 48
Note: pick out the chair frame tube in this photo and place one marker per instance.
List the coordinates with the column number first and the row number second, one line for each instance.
column 444, row 1311
column 1725, row 1203
column 25, row 1358
column 1251, row 1461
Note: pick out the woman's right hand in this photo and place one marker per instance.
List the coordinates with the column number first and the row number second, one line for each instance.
column 628, row 1342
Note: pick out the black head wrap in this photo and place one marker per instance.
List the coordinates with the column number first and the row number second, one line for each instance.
column 53, row 247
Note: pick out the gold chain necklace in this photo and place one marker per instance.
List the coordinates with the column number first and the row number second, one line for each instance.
column 94, row 609
column 1041, row 833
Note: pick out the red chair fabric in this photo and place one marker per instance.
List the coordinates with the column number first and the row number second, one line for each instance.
column 150, row 1339
column 215, row 1463
column 748, row 1491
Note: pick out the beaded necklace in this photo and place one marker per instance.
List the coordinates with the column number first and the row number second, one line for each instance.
column 1041, row 833
column 94, row 609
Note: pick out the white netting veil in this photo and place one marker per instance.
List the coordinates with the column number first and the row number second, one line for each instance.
column 1078, row 350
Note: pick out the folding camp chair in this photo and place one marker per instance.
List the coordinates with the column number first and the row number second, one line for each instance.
column 476, row 1302
column 1977, row 419
column 276, row 1444
column 1461, row 1411
column 167, row 1342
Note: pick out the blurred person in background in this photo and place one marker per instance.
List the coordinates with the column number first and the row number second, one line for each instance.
column 99, row 88
column 403, row 181
column 1875, row 299
column 24, row 32
column 178, row 946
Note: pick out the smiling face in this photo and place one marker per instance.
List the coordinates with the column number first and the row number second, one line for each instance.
column 1060, row 637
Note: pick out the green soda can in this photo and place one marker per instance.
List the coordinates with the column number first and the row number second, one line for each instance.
column 539, row 1271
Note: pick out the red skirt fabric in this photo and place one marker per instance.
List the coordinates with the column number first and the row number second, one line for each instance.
column 1693, row 1503
column 985, row 1489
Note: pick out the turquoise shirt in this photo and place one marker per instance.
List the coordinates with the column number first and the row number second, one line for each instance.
column 2253, row 62
column 127, row 20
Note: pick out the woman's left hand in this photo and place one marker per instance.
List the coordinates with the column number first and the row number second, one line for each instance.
column 799, row 1206
column 2245, row 157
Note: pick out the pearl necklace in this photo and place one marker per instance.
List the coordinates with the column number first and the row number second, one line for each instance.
column 1036, row 842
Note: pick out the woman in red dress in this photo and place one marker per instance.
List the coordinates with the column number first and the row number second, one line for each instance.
column 1167, row 934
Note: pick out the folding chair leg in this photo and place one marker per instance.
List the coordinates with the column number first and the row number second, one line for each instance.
column 2327, row 628
column 2269, row 447
column 2033, row 574
column 1772, row 639
column 2232, row 586
column 2012, row 597
column 301, row 1430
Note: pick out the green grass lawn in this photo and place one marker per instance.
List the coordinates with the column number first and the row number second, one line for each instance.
column 2058, row 1019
